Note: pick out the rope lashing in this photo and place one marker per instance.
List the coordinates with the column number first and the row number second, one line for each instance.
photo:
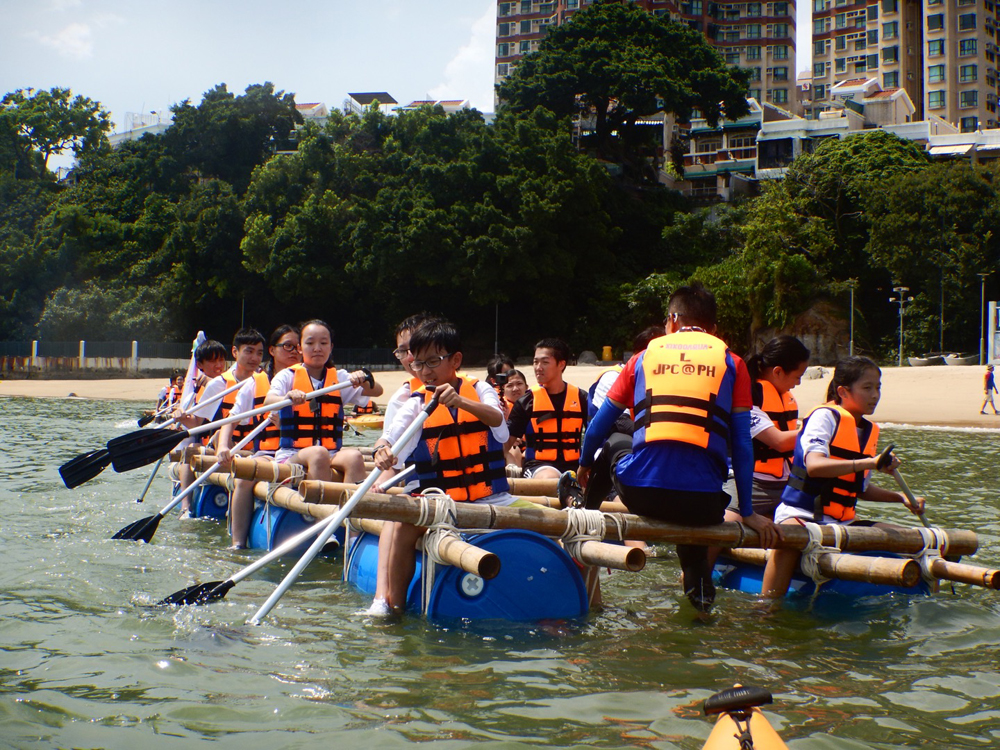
column 814, row 548
column 935, row 543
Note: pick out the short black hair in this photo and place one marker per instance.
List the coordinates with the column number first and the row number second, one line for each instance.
column 210, row 350
column 247, row 336
column 496, row 363
column 413, row 322
column 560, row 349
column 436, row 332
column 694, row 305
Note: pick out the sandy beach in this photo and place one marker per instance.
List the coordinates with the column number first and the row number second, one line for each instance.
column 947, row 396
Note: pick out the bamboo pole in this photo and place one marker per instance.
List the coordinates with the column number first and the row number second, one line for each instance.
column 553, row 523
column 255, row 469
column 903, row 572
column 455, row 551
column 964, row 573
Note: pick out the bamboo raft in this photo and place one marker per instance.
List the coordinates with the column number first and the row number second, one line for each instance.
column 492, row 556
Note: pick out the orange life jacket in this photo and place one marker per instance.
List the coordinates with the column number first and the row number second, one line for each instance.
column 457, row 452
column 784, row 412
column 835, row 497
column 319, row 421
column 554, row 436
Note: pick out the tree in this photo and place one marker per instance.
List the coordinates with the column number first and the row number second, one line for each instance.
column 616, row 62
column 51, row 122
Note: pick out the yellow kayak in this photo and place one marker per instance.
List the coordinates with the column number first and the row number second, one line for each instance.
column 741, row 725
column 366, row 422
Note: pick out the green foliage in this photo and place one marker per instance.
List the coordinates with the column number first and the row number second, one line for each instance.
column 50, row 122
column 616, row 62
column 103, row 313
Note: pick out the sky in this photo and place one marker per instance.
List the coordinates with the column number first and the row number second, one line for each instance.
column 144, row 56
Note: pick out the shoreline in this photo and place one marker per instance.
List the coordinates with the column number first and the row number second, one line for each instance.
column 918, row 396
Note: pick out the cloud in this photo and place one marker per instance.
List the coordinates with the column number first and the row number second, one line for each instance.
column 62, row 5
column 469, row 74
column 73, row 41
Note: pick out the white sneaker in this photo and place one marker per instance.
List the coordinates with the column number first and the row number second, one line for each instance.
column 379, row 608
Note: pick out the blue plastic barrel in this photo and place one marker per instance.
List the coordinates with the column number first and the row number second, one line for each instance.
column 210, row 501
column 537, row 580
column 271, row 528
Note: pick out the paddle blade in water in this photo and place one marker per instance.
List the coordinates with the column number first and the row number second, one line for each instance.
column 141, row 530
column 84, row 468
column 142, row 447
column 203, row 593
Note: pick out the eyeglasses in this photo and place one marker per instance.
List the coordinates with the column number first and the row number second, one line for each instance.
column 431, row 364
column 288, row 346
column 401, row 352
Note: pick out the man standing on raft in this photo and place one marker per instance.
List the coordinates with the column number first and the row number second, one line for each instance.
column 692, row 403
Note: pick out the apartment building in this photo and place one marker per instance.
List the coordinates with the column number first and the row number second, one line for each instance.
column 759, row 36
column 960, row 62
column 861, row 38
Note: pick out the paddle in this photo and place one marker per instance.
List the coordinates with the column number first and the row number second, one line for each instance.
column 909, row 496
column 149, row 481
column 85, row 467
column 142, row 447
column 204, row 593
column 143, row 529
column 338, row 518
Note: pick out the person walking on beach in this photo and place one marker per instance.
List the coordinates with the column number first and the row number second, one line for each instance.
column 990, row 387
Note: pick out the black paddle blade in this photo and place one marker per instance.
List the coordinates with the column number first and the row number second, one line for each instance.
column 84, row 468
column 144, row 420
column 141, row 530
column 203, row 593
column 142, row 447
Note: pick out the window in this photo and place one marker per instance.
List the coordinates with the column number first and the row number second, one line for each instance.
column 742, row 141
column 503, row 29
column 841, row 43
column 525, row 47
column 935, row 48
column 525, row 27
column 781, row 8
column 840, row 64
column 574, row 4
column 935, row 22
column 819, row 6
column 969, row 124
column 526, row 6
column 753, row 53
column 966, row 21
column 733, row 58
column 967, row 47
column 933, row 2
column 819, row 91
column 872, row 12
column 754, row 74
column 503, row 50
column 780, row 74
column 860, row 66
column 972, row 2
column 819, row 48
column 707, row 147
column 968, row 73
column 872, row 62
column 890, row 30
column 841, row 20
column 753, row 10
column 890, row 80
column 935, row 74
column 873, row 37
column 779, row 96
column 754, row 94
column 859, row 44
column 780, row 31
column 781, row 52
column 504, row 9
column 890, row 54
column 935, row 100
column 819, row 25
column 890, row 6
column 968, row 99
column 819, row 70
column 753, row 31
column 502, row 70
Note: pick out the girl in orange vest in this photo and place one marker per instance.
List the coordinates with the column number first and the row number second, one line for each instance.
column 774, row 424
column 834, row 454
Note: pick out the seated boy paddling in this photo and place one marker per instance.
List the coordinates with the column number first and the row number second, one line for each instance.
column 460, row 450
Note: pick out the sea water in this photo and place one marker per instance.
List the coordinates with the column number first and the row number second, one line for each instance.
column 87, row 662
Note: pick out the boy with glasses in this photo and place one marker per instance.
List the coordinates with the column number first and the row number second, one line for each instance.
column 459, row 450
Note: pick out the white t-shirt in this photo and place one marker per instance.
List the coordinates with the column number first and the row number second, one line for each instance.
column 282, row 384
column 760, row 422
column 400, row 397
column 604, row 384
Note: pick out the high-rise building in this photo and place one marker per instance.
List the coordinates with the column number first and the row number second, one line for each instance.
column 759, row 36
column 960, row 62
column 861, row 39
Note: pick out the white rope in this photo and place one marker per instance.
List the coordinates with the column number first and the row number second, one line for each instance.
column 935, row 541
column 582, row 525
column 298, row 473
column 441, row 521
column 814, row 548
